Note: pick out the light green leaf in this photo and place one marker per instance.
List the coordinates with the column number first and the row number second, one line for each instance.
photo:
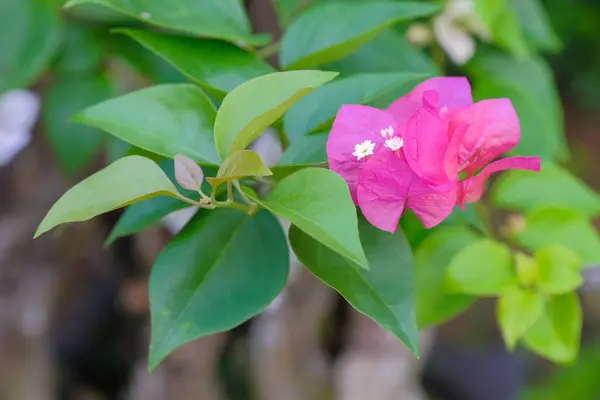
column 502, row 23
column 432, row 257
column 223, row 268
column 528, row 270
column 253, row 106
column 123, row 182
column 556, row 334
column 328, row 32
column 548, row 226
column 305, row 150
column 216, row 66
column 384, row 293
column 530, row 85
column 318, row 202
column 518, row 309
column 238, row 165
column 534, row 22
column 74, row 145
column 219, row 19
column 317, row 110
column 558, row 269
column 482, row 268
column 31, row 34
column 552, row 186
column 163, row 119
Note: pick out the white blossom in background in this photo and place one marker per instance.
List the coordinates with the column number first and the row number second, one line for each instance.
column 19, row 110
column 175, row 221
column 454, row 27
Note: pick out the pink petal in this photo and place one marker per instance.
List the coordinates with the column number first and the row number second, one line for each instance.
column 382, row 189
column 493, row 130
column 425, row 146
column 353, row 125
column 442, row 93
column 471, row 189
column 431, row 206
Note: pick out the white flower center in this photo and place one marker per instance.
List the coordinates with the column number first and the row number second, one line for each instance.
column 388, row 132
column 363, row 149
column 394, row 143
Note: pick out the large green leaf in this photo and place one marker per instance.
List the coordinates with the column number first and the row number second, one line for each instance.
column 536, row 27
column 305, row 150
column 123, row 182
column 328, row 32
column 163, row 119
column 74, row 145
column 530, row 85
column 484, row 267
column 557, row 332
column 384, row 293
column 318, row 202
column 518, row 309
column 31, row 33
column 317, row 109
column 223, row 268
column 432, row 257
column 220, row 19
column 215, row 65
column 552, row 186
column 548, row 226
column 254, row 105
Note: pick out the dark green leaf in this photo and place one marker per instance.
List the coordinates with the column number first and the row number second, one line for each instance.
column 384, row 293
column 123, row 182
column 518, row 310
column 328, row 32
column 164, row 119
column 81, row 51
column 31, row 34
column 74, row 145
column 220, row 19
column 305, row 150
column 557, row 332
column 536, row 27
column 529, row 84
column 253, row 106
column 318, row 202
column 548, row 226
column 432, row 257
column 223, row 268
column 552, row 186
column 317, row 109
column 216, row 66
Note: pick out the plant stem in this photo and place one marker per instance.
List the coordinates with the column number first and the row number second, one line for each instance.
column 268, row 50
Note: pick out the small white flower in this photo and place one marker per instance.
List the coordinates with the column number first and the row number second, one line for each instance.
column 394, row 143
column 363, row 149
column 388, row 132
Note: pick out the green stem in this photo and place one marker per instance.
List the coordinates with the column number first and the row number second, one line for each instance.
column 268, row 50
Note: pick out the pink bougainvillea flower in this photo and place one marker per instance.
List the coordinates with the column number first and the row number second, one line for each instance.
column 411, row 155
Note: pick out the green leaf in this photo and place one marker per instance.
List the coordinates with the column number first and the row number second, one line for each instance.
column 399, row 56
column 432, row 257
column 328, row 32
column 482, row 268
column 253, row 106
column 318, row 202
column 552, row 186
column 317, row 109
column 518, row 310
column 536, row 27
column 216, row 66
column 163, row 119
column 238, row 165
column 530, row 85
column 81, row 51
column 219, row 19
column 305, row 150
column 548, row 226
column 123, row 182
column 31, row 34
column 558, row 269
column 74, row 145
column 223, row 268
column 502, row 22
column 384, row 293
column 528, row 270
column 557, row 332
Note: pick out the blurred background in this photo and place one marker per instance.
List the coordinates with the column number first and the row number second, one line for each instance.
column 74, row 317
